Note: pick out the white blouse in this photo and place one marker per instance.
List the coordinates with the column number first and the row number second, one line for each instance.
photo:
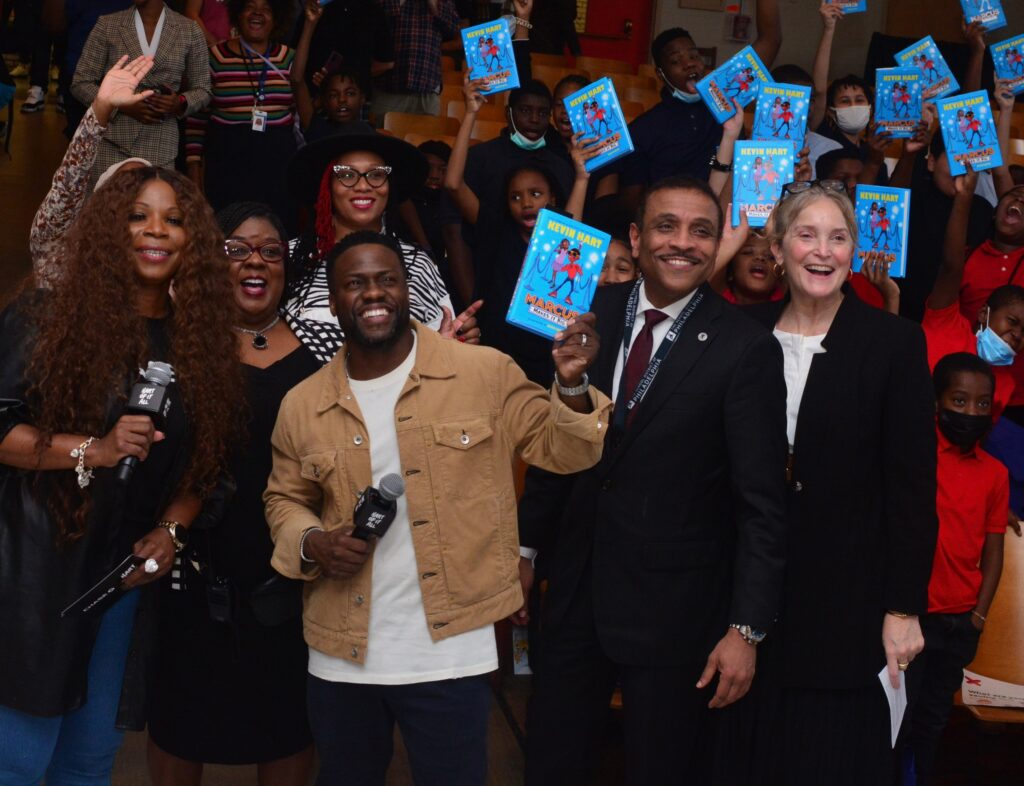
column 797, row 352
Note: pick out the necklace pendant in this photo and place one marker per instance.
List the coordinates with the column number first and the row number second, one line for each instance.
column 259, row 341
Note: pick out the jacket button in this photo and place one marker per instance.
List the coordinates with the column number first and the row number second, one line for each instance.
column 428, row 575
column 438, row 625
column 359, row 600
column 798, row 486
column 464, row 439
column 605, row 485
column 355, row 653
column 357, row 439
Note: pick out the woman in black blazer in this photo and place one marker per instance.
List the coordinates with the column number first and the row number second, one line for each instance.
column 862, row 522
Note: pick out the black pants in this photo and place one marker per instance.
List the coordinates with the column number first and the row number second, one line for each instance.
column 664, row 719
column 950, row 642
column 443, row 724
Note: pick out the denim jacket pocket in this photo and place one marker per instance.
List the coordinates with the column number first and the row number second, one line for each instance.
column 464, row 454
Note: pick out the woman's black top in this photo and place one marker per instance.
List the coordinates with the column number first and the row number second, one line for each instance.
column 44, row 660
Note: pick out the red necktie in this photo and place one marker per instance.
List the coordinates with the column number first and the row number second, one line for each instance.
column 640, row 357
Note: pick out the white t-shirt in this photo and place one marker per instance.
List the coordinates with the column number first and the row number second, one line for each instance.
column 797, row 353
column 400, row 650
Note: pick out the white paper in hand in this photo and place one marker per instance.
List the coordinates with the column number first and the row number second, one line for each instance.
column 897, row 701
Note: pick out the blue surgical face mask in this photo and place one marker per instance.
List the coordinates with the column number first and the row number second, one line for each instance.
column 991, row 347
column 686, row 98
column 521, row 141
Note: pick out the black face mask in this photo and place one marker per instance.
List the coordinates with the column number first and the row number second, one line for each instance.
column 964, row 431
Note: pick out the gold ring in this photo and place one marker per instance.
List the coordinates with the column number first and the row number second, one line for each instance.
column 903, row 666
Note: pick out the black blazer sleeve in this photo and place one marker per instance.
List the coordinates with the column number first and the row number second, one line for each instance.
column 755, row 415
column 910, row 450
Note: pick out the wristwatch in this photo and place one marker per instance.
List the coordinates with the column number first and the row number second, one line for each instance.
column 749, row 634
column 178, row 533
column 579, row 390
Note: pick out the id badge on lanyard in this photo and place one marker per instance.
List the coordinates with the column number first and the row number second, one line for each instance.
column 259, row 120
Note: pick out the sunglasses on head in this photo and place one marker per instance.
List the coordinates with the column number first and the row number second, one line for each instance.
column 799, row 186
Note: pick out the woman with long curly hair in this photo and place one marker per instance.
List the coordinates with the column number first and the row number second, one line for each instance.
column 68, row 358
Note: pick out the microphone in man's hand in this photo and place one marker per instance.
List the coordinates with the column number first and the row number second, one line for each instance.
column 149, row 397
column 376, row 507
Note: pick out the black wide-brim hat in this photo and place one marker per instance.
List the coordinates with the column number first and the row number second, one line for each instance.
column 306, row 169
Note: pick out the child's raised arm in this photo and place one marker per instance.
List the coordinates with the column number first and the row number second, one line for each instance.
column 1001, row 177
column 303, row 100
column 830, row 14
column 946, row 291
column 454, row 179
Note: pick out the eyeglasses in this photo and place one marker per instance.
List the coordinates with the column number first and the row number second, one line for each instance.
column 348, row 176
column 798, row 187
column 240, row 251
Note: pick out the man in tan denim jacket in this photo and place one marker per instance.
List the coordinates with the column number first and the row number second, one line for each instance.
column 461, row 415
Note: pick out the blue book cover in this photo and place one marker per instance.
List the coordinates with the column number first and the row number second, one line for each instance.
column 489, row 56
column 740, row 77
column 1008, row 59
column 559, row 275
column 595, row 111
column 969, row 132
column 988, row 12
column 781, row 113
column 850, row 6
column 936, row 78
column 883, row 224
column 898, row 101
column 759, row 171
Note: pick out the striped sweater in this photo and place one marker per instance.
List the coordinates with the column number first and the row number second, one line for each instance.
column 236, row 82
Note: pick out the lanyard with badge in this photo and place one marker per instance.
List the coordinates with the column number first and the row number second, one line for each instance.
column 659, row 357
column 259, row 91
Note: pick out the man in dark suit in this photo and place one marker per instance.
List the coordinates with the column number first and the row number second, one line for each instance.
column 668, row 560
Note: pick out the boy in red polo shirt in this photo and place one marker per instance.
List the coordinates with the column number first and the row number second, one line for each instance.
column 972, row 503
column 996, row 262
column 1000, row 316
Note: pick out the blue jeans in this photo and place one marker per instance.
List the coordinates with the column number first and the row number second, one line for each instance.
column 443, row 724
column 76, row 749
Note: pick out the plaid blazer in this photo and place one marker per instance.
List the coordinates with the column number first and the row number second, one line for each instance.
column 182, row 63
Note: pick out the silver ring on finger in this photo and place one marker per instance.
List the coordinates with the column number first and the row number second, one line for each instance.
column 583, row 339
column 151, row 566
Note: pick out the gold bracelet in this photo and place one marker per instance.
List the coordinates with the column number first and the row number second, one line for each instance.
column 900, row 614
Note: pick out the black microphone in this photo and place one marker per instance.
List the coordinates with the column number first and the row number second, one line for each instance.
column 149, row 397
column 376, row 507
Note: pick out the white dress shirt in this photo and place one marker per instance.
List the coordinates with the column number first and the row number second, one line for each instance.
column 658, row 332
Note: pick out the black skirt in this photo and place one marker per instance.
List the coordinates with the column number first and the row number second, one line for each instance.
column 781, row 734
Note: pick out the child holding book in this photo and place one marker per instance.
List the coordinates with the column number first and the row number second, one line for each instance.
column 502, row 231
column 1001, row 318
column 972, row 503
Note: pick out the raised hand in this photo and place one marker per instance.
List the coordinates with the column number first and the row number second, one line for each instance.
column 966, row 183
column 582, row 150
column 471, row 91
column 830, row 14
column 117, row 90
column 1004, row 95
column 974, row 35
column 733, row 127
column 313, row 11
column 802, row 168
column 463, row 328
column 576, row 349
